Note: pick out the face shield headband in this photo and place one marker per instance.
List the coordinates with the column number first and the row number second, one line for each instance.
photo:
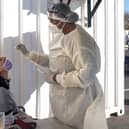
column 55, row 17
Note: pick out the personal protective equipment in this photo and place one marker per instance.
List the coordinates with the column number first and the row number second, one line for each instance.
column 51, row 123
column 54, row 28
column 62, row 12
column 61, row 29
column 38, row 59
column 78, row 59
column 56, row 33
column 22, row 48
column 47, row 75
column 77, row 99
column 7, row 65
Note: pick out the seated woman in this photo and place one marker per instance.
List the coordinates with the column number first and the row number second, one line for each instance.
column 14, row 116
column 7, row 104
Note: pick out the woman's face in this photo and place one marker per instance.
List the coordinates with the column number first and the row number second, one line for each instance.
column 2, row 60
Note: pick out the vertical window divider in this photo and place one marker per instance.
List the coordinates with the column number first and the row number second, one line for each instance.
column 20, row 40
column 38, row 102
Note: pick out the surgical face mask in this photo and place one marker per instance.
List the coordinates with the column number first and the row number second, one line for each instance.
column 54, row 29
column 61, row 29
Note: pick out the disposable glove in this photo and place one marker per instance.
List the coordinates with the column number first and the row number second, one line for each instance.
column 48, row 75
column 22, row 49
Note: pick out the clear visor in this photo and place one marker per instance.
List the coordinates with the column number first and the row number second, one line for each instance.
column 55, row 17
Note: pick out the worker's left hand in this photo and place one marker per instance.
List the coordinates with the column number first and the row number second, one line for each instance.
column 48, row 75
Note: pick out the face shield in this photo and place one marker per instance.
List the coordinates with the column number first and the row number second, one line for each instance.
column 55, row 22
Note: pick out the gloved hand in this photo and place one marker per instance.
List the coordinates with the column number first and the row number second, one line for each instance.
column 48, row 75
column 22, row 48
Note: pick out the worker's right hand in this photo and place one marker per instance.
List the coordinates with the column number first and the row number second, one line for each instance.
column 22, row 49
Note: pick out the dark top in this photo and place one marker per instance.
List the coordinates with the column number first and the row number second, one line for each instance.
column 4, row 83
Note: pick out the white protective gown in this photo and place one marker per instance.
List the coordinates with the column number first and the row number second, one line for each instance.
column 77, row 99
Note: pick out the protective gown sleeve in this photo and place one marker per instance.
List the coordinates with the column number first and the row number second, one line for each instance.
column 38, row 59
column 86, row 60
